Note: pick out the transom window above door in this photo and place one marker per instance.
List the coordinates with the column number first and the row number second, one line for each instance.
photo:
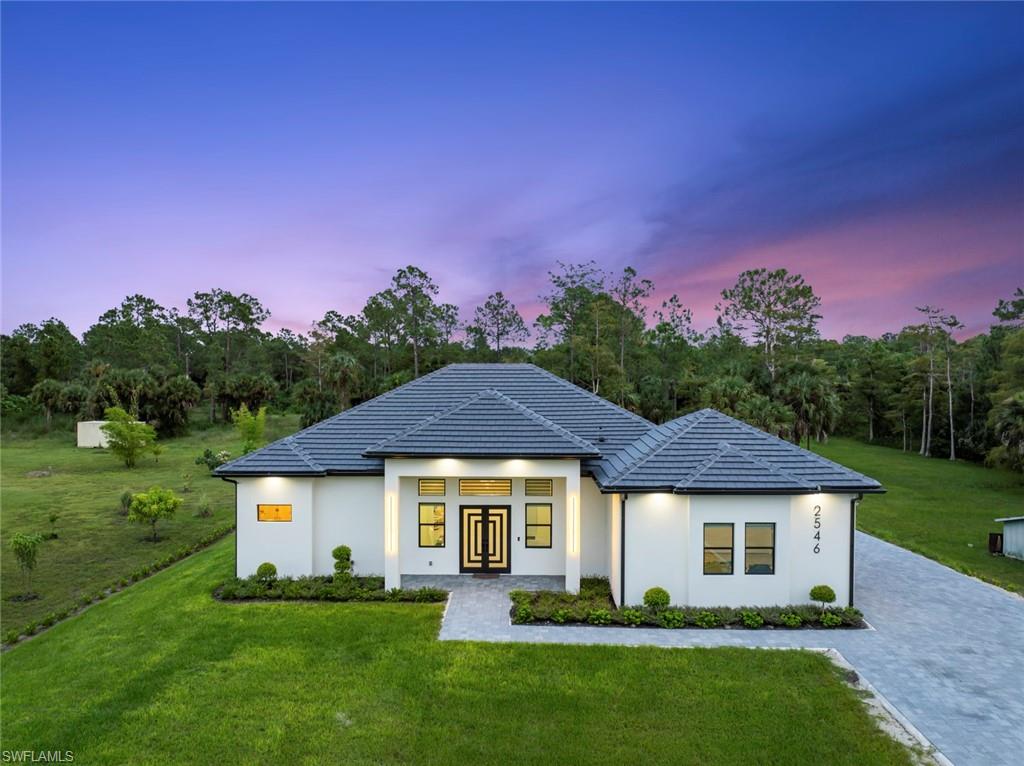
column 428, row 487
column 540, row 487
column 485, row 487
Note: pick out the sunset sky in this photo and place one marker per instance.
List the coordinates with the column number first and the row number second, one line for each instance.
column 303, row 152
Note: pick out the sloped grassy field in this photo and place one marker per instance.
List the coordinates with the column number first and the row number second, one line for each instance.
column 96, row 545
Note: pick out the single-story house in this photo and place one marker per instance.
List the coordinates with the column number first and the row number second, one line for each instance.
column 507, row 468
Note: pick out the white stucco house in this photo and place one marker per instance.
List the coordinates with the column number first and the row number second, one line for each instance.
column 506, row 468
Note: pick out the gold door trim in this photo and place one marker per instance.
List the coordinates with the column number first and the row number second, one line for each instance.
column 484, row 536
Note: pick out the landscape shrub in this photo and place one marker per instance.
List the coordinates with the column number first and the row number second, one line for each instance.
column 599, row 617
column 672, row 618
column 205, row 510
column 317, row 588
column 656, row 599
column 823, row 594
column 632, row 617
column 266, row 573
column 561, row 616
column 831, row 620
column 126, row 502
column 523, row 614
column 595, row 588
column 751, row 619
column 52, row 534
column 705, row 618
column 12, row 636
column 213, row 460
column 342, row 561
column 790, row 619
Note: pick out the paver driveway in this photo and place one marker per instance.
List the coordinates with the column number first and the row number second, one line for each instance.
column 947, row 650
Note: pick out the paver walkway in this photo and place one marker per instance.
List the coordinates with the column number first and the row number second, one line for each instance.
column 947, row 650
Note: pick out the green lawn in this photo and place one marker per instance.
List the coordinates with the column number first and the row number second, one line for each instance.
column 96, row 544
column 164, row 674
column 940, row 509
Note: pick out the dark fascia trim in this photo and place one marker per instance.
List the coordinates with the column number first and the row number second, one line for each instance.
column 260, row 474
column 726, row 491
column 488, row 455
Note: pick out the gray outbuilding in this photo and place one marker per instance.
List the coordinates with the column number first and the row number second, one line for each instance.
column 1013, row 536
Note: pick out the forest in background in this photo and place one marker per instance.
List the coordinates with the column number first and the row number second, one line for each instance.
column 763, row 361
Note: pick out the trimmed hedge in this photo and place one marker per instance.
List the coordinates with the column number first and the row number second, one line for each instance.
column 593, row 605
column 13, row 636
column 346, row 588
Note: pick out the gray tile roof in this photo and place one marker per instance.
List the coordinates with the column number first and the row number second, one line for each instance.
column 707, row 451
column 519, row 410
column 467, row 429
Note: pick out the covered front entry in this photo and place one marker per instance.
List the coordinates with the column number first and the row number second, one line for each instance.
column 484, row 538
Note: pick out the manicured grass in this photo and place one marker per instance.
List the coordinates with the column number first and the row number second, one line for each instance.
column 96, row 544
column 939, row 509
column 163, row 673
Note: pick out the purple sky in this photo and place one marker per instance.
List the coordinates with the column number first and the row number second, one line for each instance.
column 303, row 152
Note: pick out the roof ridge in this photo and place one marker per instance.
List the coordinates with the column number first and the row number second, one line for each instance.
column 724, row 448
column 301, row 452
column 643, row 458
column 494, row 394
column 793, row 447
column 429, row 419
column 546, row 422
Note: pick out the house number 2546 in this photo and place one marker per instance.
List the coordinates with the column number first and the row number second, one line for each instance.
column 817, row 529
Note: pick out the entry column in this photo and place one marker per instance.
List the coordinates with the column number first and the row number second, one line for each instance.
column 392, row 566
column 573, row 516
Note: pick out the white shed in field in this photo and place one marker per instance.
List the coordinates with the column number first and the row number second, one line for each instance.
column 90, row 434
column 1013, row 536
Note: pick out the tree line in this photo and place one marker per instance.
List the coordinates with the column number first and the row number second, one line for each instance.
column 762, row 361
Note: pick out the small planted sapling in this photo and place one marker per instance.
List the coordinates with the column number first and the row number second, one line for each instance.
column 25, row 547
column 153, row 505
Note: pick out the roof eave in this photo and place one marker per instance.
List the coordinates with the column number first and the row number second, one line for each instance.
column 486, row 455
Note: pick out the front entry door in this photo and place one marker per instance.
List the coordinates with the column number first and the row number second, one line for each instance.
column 485, row 538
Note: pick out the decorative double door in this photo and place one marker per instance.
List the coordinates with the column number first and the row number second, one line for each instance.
column 484, row 535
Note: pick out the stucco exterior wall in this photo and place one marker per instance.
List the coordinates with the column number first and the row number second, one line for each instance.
column 657, row 541
column 287, row 545
column 542, row 561
column 665, row 547
column 348, row 512
column 593, row 528
column 830, row 565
